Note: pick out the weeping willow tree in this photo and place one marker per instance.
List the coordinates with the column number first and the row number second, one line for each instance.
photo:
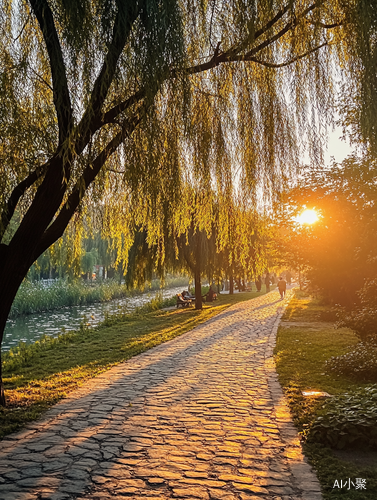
column 358, row 99
column 148, row 95
column 210, row 234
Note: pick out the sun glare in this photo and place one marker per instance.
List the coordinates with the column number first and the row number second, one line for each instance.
column 307, row 217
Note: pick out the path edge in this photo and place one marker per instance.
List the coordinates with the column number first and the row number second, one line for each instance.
column 305, row 477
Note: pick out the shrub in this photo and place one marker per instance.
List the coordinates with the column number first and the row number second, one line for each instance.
column 363, row 320
column 158, row 302
column 360, row 363
column 349, row 420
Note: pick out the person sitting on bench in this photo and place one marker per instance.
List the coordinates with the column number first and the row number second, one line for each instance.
column 182, row 301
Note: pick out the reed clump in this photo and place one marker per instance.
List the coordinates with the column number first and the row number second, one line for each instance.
column 34, row 297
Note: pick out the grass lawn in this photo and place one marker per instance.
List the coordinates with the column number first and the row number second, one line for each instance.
column 38, row 378
column 300, row 354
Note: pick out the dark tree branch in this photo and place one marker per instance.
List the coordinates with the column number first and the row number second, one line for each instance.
column 324, row 25
column 114, row 112
column 217, row 58
column 231, row 56
column 22, row 29
column 108, row 117
column 41, row 79
column 236, row 49
column 288, row 27
column 126, row 16
column 115, row 171
column 56, row 229
column 16, row 194
column 62, row 99
column 287, row 63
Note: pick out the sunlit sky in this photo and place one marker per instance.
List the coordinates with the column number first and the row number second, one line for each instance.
column 308, row 216
column 337, row 148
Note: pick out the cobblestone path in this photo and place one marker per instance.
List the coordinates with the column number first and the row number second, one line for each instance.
column 200, row 417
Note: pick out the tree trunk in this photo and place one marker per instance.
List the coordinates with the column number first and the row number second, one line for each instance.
column 231, row 285
column 198, row 290
column 17, row 257
column 198, row 280
column 11, row 276
column 2, row 394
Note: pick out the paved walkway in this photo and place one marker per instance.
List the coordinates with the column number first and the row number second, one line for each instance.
column 200, row 417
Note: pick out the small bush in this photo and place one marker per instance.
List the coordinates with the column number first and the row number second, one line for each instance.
column 360, row 363
column 158, row 302
column 349, row 420
column 363, row 319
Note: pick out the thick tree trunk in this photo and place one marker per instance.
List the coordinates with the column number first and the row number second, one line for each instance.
column 17, row 257
column 11, row 276
column 231, row 284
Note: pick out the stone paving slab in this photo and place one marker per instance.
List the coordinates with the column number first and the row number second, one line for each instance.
column 200, row 417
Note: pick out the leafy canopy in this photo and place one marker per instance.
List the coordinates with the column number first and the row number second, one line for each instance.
column 161, row 92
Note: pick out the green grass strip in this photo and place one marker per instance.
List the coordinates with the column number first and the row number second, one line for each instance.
column 38, row 376
column 300, row 355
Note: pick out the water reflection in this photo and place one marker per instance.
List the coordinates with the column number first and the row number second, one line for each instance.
column 30, row 328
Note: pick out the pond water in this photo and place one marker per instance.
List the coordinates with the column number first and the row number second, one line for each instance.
column 31, row 327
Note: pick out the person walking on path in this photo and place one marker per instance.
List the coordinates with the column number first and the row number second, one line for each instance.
column 200, row 417
column 282, row 286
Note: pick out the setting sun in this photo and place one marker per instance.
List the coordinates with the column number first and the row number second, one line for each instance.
column 307, row 217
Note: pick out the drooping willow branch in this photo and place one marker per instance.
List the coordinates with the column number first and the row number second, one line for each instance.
column 56, row 229
column 93, row 119
column 286, row 63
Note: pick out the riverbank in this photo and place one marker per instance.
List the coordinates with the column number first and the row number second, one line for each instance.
column 306, row 340
column 29, row 328
column 35, row 380
column 34, row 297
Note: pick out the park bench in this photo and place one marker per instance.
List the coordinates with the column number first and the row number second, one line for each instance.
column 183, row 302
